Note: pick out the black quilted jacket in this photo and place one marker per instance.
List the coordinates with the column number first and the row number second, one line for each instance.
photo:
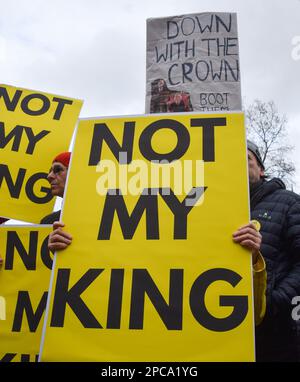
column 278, row 212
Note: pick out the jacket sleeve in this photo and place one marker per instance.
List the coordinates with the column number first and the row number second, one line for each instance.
column 259, row 286
column 289, row 286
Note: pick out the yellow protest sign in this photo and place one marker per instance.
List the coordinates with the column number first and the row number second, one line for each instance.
column 34, row 128
column 152, row 273
column 24, row 282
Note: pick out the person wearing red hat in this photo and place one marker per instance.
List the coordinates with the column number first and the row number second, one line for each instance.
column 57, row 178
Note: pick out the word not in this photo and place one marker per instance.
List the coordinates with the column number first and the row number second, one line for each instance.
column 34, row 104
column 189, row 25
column 142, row 284
column 102, row 134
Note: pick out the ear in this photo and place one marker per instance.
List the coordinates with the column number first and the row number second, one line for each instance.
column 262, row 172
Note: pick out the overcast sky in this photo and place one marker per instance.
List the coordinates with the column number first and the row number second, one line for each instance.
column 95, row 50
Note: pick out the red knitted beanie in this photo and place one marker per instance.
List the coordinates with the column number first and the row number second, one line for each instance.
column 63, row 158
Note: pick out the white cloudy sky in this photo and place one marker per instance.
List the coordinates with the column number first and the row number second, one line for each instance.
column 95, row 50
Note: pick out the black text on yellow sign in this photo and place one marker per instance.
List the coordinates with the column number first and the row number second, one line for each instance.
column 24, row 282
column 34, row 127
column 159, row 277
column 148, row 202
column 142, row 286
column 142, row 283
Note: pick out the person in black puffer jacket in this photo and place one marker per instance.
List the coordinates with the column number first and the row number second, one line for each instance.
column 278, row 211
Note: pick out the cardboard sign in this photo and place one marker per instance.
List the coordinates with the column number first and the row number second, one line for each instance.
column 34, row 128
column 193, row 63
column 24, row 283
column 152, row 273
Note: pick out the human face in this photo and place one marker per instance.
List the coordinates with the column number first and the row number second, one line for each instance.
column 57, row 178
column 255, row 172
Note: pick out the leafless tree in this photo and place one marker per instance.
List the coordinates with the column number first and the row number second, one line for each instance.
column 268, row 129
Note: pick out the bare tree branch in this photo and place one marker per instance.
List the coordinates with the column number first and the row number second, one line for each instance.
column 268, row 129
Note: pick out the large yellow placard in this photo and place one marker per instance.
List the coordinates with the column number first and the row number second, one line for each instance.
column 152, row 273
column 24, row 283
column 34, row 128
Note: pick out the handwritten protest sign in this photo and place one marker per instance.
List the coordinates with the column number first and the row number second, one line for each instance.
column 193, row 63
column 34, row 128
